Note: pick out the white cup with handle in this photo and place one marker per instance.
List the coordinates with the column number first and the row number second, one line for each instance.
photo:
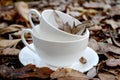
column 56, row 53
column 49, row 28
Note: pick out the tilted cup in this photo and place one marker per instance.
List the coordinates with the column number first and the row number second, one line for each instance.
column 56, row 53
column 49, row 28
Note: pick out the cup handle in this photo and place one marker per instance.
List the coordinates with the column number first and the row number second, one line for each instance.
column 23, row 38
column 34, row 12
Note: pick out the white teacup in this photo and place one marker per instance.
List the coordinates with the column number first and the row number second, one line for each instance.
column 49, row 27
column 56, row 53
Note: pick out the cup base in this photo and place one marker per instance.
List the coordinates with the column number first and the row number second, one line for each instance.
column 26, row 56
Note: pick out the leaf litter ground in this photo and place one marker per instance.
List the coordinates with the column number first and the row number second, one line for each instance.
column 104, row 38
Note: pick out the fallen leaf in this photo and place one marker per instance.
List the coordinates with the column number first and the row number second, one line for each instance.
column 115, row 71
column 105, row 76
column 74, row 13
column 22, row 9
column 109, row 48
column 93, row 44
column 112, row 62
column 7, row 13
column 11, row 28
column 95, row 28
column 113, row 40
column 112, row 23
column 81, row 28
column 100, row 65
column 9, row 51
column 8, row 43
column 115, row 10
column 3, row 25
column 68, row 74
column 96, row 5
column 28, row 71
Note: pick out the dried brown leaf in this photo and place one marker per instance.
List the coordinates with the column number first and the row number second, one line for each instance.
column 96, row 5
column 74, row 13
column 109, row 48
column 68, row 74
column 5, row 71
column 31, row 71
column 81, row 28
column 11, row 28
column 9, row 51
column 93, row 44
column 26, row 72
column 59, row 21
column 115, row 10
column 112, row 23
column 100, row 65
column 113, row 40
column 115, row 71
column 8, row 43
column 22, row 9
column 95, row 28
column 67, row 27
column 105, row 76
column 112, row 62
column 7, row 14
column 3, row 25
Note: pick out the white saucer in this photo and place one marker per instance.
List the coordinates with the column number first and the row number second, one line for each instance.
column 26, row 56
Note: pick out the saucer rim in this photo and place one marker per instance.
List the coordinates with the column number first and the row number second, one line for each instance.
column 91, row 66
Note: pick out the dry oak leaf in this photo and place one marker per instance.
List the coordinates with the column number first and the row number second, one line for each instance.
column 22, row 9
column 9, row 51
column 8, row 43
column 105, row 76
column 112, row 62
column 68, row 74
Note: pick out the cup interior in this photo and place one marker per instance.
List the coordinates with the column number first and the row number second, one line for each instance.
column 48, row 16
